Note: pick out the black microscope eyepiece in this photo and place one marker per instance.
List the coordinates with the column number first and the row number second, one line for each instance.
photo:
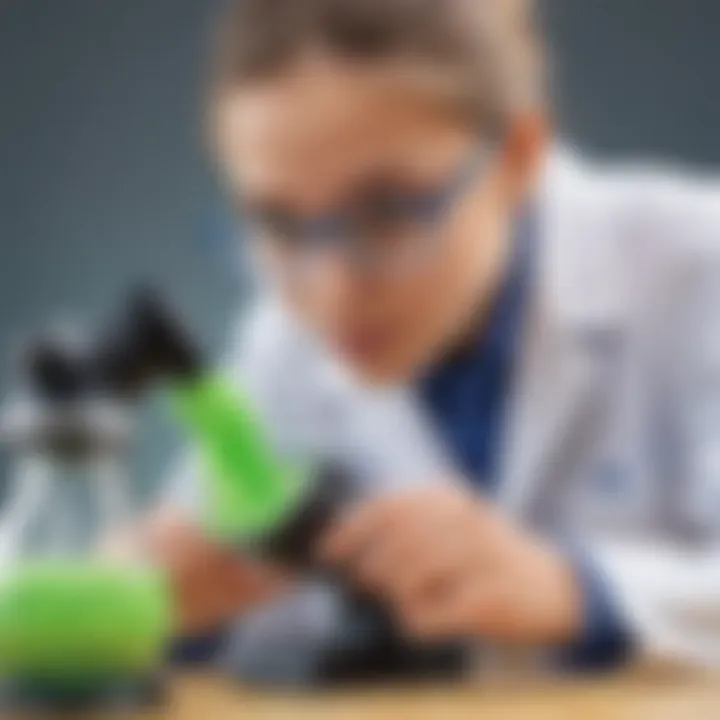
column 145, row 344
column 57, row 370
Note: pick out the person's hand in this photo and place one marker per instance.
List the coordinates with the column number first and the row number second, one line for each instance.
column 451, row 566
column 210, row 584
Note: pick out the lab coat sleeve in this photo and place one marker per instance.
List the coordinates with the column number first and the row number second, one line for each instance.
column 670, row 598
column 669, row 591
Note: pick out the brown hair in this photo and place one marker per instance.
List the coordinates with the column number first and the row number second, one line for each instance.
column 490, row 48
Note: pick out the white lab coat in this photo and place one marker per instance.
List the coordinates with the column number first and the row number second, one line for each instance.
column 613, row 435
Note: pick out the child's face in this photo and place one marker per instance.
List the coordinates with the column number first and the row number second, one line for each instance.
column 335, row 141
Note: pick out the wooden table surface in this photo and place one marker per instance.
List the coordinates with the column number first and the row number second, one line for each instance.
column 626, row 699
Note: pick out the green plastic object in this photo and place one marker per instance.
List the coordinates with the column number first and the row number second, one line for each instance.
column 82, row 623
column 249, row 491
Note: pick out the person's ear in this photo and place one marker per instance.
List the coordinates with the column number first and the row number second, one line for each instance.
column 526, row 147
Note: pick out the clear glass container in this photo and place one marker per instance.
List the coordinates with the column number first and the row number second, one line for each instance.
column 75, row 628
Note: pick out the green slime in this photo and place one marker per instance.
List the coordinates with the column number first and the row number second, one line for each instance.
column 249, row 491
column 74, row 621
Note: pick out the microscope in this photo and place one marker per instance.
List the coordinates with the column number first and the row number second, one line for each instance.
column 77, row 630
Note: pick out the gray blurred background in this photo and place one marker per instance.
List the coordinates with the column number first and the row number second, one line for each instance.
column 103, row 179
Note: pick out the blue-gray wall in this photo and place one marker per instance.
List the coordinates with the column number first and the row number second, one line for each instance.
column 102, row 171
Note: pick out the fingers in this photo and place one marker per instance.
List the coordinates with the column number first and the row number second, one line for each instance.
column 414, row 550
column 433, row 511
column 482, row 605
column 354, row 533
column 451, row 566
column 432, row 571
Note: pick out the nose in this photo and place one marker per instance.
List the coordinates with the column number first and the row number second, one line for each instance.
column 327, row 270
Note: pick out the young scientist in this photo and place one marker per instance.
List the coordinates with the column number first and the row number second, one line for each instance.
column 516, row 355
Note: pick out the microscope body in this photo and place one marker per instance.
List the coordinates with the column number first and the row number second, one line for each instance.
column 77, row 629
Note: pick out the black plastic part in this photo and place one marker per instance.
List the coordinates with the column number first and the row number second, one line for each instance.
column 359, row 649
column 293, row 544
column 373, row 647
column 56, row 371
column 384, row 656
column 45, row 699
column 147, row 344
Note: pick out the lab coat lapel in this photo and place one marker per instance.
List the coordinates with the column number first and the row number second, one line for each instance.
column 555, row 416
column 560, row 398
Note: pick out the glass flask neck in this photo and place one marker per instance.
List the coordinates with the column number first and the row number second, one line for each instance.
column 61, row 509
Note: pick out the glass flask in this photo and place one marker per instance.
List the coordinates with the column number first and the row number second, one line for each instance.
column 76, row 629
